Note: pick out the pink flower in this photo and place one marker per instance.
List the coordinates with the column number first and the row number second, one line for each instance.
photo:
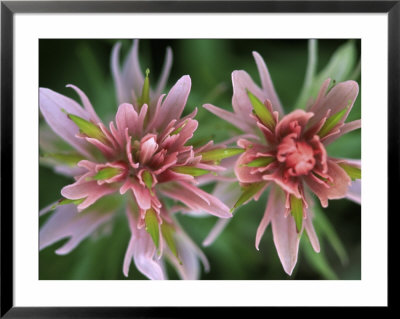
column 145, row 155
column 290, row 156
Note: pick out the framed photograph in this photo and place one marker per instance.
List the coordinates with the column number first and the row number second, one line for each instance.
column 162, row 155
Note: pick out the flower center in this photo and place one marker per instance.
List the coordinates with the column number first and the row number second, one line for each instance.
column 298, row 156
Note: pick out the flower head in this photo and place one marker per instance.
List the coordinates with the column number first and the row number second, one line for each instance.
column 289, row 154
column 144, row 153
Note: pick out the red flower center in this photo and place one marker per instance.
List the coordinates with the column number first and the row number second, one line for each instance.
column 297, row 155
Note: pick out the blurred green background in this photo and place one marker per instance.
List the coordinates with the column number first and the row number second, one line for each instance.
column 86, row 64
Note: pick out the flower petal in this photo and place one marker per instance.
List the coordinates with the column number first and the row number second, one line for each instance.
column 340, row 96
column 284, row 127
column 141, row 193
column 86, row 104
column 173, row 105
column 217, row 229
column 241, row 82
column 165, row 72
column 132, row 75
column 90, row 190
column 321, row 95
column 285, row 236
column 141, row 248
column 143, row 256
column 67, row 222
column 189, row 254
column 266, row 83
column 308, row 226
column 228, row 193
column 48, row 208
column 117, row 76
column 68, row 171
column 244, row 173
column 354, row 191
column 230, row 117
column 290, row 184
column 275, row 203
column 346, row 128
column 183, row 136
column 189, row 269
column 108, row 151
column 129, row 255
column 196, row 199
column 148, row 146
column 126, row 117
column 141, row 118
column 338, row 186
column 52, row 105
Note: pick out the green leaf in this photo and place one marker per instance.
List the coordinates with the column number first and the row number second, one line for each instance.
column 70, row 159
column 190, row 170
column 90, row 66
column 107, row 204
column 200, row 141
column 148, row 180
column 167, row 232
column 261, row 162
column 88, row 128
column 327, row 230
column 310, row 73
column 341, row 64
column 66, row 201
column 152, row 226
column 339, row 68
column 318, row 261
column 349, row 146
column 322, row 178
column 145, row 98
column 296, row 206
column 261, row 111
column 356, row 72
column 331, row 122
column 353, row 171
column 106, row 173
column 179, row 129
column 219, row 154
column 248, row 192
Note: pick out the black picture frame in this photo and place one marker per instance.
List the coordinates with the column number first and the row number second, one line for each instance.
column 9, row 8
